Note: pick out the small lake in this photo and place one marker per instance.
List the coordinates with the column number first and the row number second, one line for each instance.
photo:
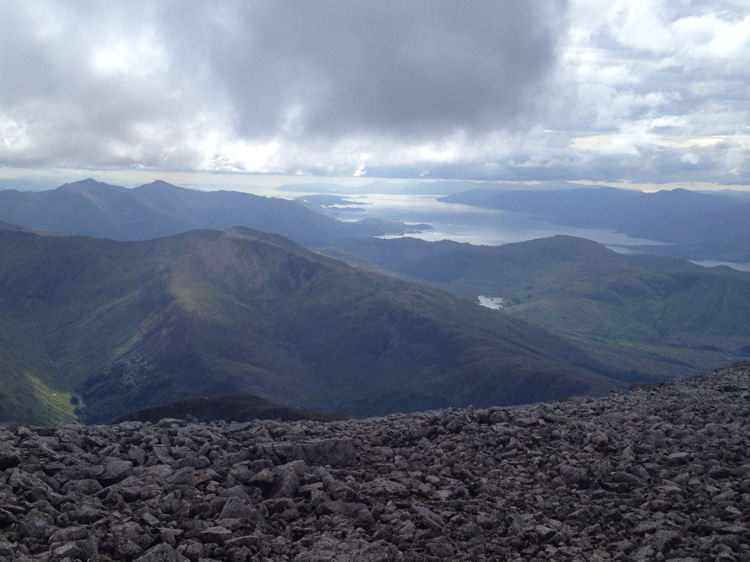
column 495, row 303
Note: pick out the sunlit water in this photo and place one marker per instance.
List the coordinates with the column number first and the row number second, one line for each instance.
column 490, row 227
column 463, row 223
column 495, row 303
column 733, row 265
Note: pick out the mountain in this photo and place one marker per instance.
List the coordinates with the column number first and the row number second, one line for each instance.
column 693, row 225
column 230, row 407
column 159, row 209
column 654, row 315
column 96, row 328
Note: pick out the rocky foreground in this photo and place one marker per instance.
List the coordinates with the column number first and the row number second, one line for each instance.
column 656, row 473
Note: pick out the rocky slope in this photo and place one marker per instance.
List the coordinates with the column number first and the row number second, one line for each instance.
column 656, row 473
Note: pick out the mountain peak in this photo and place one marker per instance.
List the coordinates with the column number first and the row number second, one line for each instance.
column 563, row 246
column 86, row 186
column 159, row 186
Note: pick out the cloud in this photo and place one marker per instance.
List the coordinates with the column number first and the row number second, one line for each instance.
column 251, row 84
column 652, row 90
column 661, row 91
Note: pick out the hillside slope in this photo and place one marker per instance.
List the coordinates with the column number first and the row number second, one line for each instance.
column 653, row 315
column 125, row 325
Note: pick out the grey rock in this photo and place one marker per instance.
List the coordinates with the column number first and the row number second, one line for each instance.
column 83, row 487
column 440, row 547
column 625, row 478
column 428, row 517
column 215, row 534
column 263, row 477
column 682, row 457
column 114, row 471
column 237, row 508
column 385, row 487
column 161, row 553
column 9, row 458
column 574, row 474
column 69, row 534
column 286, row 479
column 86, row 515
column 656, row 473
column 328, row 548
column 665, row 541
column 335, row 452
column 347, row 509
column 37, row 525
column 68, row 551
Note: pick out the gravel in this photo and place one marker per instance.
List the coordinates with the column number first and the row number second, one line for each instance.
column 656, row 473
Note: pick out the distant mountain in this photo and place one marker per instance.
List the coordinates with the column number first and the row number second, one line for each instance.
column 159, row 209
column 695, row 225
column 654, row 315
column 97, row 328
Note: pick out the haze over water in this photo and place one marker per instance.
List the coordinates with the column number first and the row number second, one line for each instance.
column 462, row 223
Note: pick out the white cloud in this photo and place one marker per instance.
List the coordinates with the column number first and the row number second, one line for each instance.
column 658, row 80
column 487, row 89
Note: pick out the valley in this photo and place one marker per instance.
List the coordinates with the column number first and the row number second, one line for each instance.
column 92, row 328
column 124, row 325
column 658, row 317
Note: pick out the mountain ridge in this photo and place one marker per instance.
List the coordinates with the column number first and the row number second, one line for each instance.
column 660, row 314
column 158, row 209
column 128, row 324
column 693, row 225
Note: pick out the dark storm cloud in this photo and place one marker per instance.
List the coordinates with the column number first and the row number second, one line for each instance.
column 332, row 68
column 165, row 83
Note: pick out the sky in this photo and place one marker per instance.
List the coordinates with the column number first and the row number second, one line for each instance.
column 653, row 92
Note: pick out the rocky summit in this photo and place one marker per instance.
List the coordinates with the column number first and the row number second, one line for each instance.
column 655, row 473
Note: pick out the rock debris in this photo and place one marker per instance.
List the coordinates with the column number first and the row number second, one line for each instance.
column 656, row 473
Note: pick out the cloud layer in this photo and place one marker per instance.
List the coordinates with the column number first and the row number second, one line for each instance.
column 638, row 90
column 230, row 85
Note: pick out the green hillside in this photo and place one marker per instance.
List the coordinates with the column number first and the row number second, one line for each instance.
column 651, row 316
column 125, row 325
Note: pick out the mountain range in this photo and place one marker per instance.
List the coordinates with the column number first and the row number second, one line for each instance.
column 691, row 225
column 157, row 209
column 93, row 328
column 653, row 315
